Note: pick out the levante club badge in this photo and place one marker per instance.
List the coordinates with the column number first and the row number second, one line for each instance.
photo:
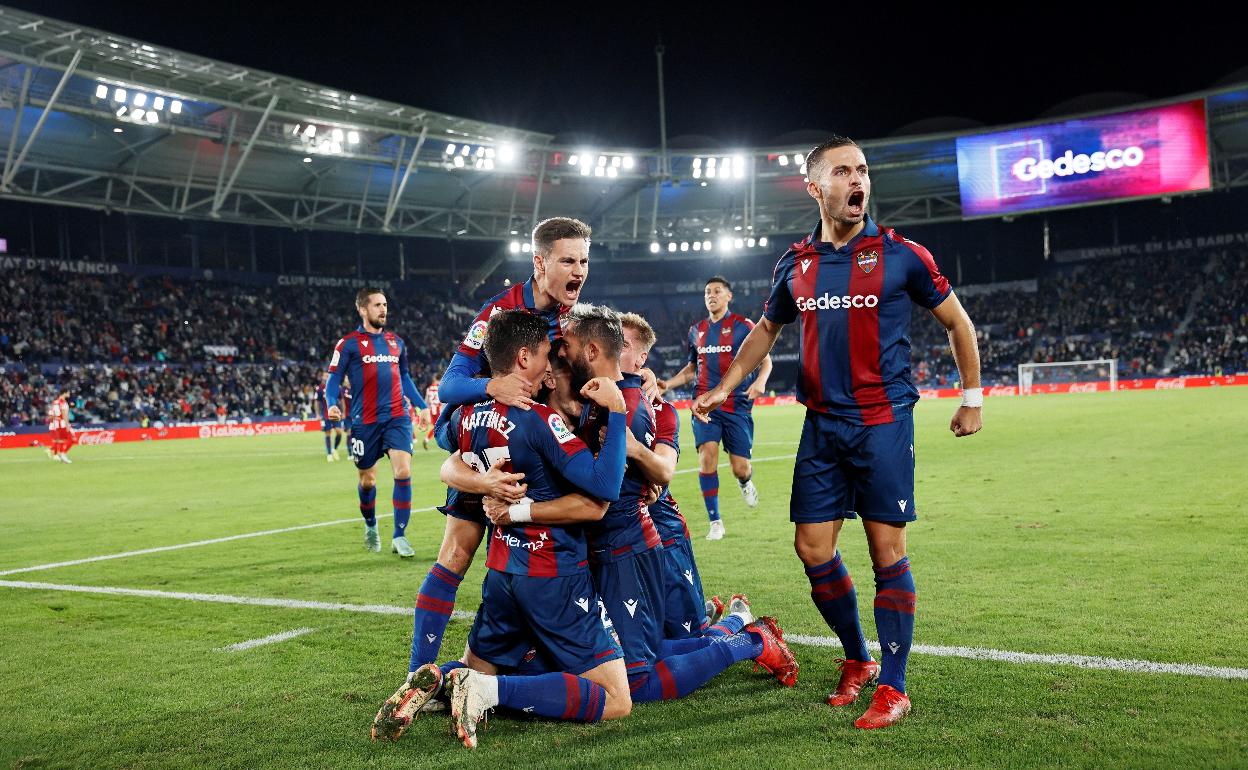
column 867, row 260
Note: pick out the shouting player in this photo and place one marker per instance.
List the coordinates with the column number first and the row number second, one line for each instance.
column 537, row 587
column 328, row 425
column 712, row 343
column 374, row 361
column 560, row 267
column 849, row 286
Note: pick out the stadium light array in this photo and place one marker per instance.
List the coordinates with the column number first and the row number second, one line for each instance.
column 590, row 162
column 481, row 157
column 716, row 167
column 322, row 140
column 136, row 106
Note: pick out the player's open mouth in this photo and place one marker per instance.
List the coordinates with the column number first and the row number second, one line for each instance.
column 854, row 202
column 573, row 289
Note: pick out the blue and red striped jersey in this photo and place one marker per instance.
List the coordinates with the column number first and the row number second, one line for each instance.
column 712, row 346
column 376, row 367
column 460, row 384
column 666, row 514
column 853, row 308
column 538, row 443
column 627, row 527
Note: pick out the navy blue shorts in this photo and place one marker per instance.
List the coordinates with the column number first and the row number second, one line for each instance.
column 684, row 606
column 327, row 424
column 734, row 429
column 369, row 442
column 843, row 468
column 461, row 505
column 632, row 591
column 560, row 616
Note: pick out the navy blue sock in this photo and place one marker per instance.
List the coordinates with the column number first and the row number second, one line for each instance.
column 402, row 499
column 434, row 605
column 894, row 621
column 337, row 440
column 727, row 626
column 368, row 505
column 679, row 675
column 710, row 493
column 833, row 593
column 327, row 450
column 558, row 696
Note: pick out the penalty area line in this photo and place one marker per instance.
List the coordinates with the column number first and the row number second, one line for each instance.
column 972, row 653
column 196, row 544
column 725, row 465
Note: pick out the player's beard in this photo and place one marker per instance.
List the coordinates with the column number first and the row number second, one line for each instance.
column 581, row 373
column 377, row 322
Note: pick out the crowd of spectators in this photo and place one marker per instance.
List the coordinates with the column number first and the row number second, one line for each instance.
column 133, row 349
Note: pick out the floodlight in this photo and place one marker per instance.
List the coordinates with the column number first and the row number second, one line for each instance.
column 158, row 103
column 119, row 95
column 450, row 149
column 783, row 160
column 514, row 247
column 763, row 241
column 353, row 137
column 176, row 107
column 654, row 248
column 101, row 91
column 140, row 99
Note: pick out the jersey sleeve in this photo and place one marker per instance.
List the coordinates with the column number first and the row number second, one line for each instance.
column 338, row 364
column 667, row 425
column 780, row 307
column 474, row 341
column 691, row 337
column 925, row 284
column 405, row 376
column 561, row 448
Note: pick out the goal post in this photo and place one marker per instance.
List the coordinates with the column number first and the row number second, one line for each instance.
column 1036, row 376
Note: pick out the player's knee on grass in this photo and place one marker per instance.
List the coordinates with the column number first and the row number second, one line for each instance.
column 475, row 663
column 613, row 677
column 815, row 544
column 708, row 457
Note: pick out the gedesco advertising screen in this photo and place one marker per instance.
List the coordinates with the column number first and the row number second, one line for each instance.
column 1141, row 153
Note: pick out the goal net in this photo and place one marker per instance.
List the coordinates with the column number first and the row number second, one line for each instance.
column 1067, row 376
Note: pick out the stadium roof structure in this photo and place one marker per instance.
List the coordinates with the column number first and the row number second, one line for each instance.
column 97, row 120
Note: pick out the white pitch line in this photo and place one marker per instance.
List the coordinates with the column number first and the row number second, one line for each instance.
column 1056, row 659
column 273, row 639
column 755, row 460
column 196, row 544
column 973, row 653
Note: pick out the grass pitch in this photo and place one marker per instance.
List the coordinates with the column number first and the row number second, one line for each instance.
column 1105, row 525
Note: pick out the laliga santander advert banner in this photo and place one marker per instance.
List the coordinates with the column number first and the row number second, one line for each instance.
column 1148, row 152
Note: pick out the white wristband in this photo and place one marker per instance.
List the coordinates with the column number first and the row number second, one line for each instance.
column 520, row 513
column 973, row 397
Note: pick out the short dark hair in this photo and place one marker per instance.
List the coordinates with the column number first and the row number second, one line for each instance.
column 509, row 331
column 596, row 323
column 814, row 157
column 719, row 279
column 556, row 229
column 361, row 296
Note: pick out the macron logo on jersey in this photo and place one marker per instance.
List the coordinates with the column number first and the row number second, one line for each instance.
column 380, row 359
column 836, row 302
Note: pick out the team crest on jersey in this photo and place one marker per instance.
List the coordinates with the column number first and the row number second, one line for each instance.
column 560, row 429
column 476, row 335
column 726, row 330
column 393, row 345
column 867, row 260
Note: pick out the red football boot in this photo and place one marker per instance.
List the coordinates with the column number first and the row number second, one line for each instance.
column 855, row 674
column 714, row 610
column 777, row 658
column 887, row 708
